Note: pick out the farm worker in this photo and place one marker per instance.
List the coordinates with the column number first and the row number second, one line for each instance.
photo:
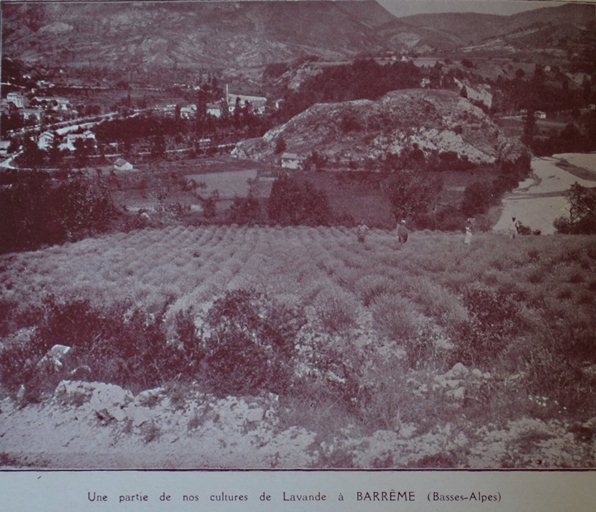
column 513, row 228
column 468, row 237
column 361, row 232
column 402, row 232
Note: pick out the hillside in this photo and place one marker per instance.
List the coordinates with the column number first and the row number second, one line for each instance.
column 358, row 130
column 472, row 28
column 194, row 35
column 429, row 354
column 237, row 38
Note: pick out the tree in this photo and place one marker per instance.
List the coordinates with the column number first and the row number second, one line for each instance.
column 582, row 211
column 83, row 148
column 245, row 210
column 293, row 203
column 280, row 145
column 210, row 205
column 158, row 145
column 32, row 156
column 412, row 195
column 478, row 196
column 529, row 127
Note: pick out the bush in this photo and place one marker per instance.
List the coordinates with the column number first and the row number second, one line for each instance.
column 336, row 309
column 582, row 213
column 492, row 320
column 245, row 210
column 120, row 345
column 250, row 344
column 397, row 318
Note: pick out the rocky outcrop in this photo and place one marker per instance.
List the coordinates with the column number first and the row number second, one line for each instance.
column 433, row 120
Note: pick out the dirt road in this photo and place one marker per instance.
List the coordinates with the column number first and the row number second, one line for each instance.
column 540, row 199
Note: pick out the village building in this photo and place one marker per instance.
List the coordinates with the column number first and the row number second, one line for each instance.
column 213, row 109
column 539, row 114
column 32, row 114
column 16, row 98
column 257, row 103
column 4, row 145
column 55, row 103
column 70, row 143
column 292, row 161
column 45, row 141
column 188, row 111
column 122, row 165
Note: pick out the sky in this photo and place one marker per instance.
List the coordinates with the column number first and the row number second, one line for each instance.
column 408, row 7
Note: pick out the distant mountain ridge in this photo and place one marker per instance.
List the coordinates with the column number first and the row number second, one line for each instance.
column 190, row 35
column 243, row 36
column 473, row 28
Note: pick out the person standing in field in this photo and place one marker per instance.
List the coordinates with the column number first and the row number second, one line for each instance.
column 468, row 237
column 402, row 232
column 361, row 232
column 513, row 228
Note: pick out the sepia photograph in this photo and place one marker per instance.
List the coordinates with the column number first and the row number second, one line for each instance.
column 311, row 235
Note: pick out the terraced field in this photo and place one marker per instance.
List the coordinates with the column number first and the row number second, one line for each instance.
column 428, row 354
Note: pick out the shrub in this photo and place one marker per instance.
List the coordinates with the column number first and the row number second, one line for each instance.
column 120, row 345
column 250, row 344
column 336, row 309
column 245, row 210
column 397, row 318
column 371, row 286
column 492, row 319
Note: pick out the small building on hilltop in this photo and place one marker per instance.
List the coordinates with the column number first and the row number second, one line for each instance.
column 122, row 165
column 292, row 161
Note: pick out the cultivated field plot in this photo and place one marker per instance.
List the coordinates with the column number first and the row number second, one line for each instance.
column 299, row 347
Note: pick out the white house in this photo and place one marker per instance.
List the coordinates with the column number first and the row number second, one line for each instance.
column 16, row 98
column 45, row 141
column 539, row 114
column 189, row 111
column 257, row 103
column 32, row 113
column 4, row 145
column 122, row 165
column 213, row 109
column 71, row 139
column 292, row 161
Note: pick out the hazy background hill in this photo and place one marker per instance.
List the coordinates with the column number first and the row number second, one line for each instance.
column 189, row 35
column 138, row 38
column 473, row 28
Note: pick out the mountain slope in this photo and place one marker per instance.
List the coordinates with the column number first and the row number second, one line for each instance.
column 474, row 27
column 189, row 35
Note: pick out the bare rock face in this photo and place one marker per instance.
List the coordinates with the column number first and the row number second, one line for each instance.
column 433, row 120
column 56, row 359
column 108, row 401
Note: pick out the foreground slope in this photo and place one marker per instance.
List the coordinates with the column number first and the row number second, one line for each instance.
column 428, row 354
